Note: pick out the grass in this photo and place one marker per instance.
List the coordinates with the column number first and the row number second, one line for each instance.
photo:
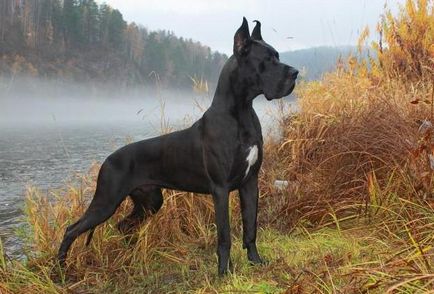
column 302, row 260
column 343, row 256
column 357, row 215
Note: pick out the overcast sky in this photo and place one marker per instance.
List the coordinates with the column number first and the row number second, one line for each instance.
column 309, row 23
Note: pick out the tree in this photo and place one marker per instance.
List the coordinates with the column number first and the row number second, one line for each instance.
column 116, row 28
column 71, row 23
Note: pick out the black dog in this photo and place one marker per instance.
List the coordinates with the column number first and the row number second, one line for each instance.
column 219, row 153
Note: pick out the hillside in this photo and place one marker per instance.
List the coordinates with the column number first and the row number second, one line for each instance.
column 80, row 40
column 314, row 62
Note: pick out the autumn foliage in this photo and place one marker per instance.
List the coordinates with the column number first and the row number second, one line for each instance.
column 365, row 118
column 406, row 46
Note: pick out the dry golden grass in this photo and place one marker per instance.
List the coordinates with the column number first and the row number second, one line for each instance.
column 361, row 122
column 347, row 131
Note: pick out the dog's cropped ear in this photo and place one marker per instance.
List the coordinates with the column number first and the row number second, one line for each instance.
column 242, row 39
column 256, row 33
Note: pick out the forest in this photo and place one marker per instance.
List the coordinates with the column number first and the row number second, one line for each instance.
column 80, row 40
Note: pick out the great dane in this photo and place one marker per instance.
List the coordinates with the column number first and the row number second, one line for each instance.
column 219, row 153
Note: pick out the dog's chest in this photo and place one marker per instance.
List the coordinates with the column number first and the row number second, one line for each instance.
column 246, row 161
column 250, row 151
column 251, row 158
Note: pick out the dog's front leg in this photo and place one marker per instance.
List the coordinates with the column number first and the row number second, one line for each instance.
column 249, row 208
column 221, row 206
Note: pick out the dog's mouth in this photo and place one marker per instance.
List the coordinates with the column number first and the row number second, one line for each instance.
column 291, row 89
column 279, row 96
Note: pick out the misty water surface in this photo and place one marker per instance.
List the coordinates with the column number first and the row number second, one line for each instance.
column 51, row 131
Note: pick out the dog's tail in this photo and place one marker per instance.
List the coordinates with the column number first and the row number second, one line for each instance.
column 89, row 237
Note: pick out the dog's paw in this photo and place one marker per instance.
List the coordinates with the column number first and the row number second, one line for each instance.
column 222, row 271
column 257, row 260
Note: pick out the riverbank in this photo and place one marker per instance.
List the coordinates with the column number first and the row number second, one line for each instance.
column 387, row 247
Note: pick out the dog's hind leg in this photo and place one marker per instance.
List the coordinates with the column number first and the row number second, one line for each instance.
column 147, row 201
column 108, row 196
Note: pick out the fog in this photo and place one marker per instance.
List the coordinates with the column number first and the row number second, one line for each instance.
column 28, row 101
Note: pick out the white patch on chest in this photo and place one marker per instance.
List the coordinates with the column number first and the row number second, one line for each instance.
column 252, row 157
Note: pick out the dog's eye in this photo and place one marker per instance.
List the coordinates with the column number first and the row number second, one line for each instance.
column 275, row 59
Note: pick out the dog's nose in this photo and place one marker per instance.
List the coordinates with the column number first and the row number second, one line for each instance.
column 294, row 74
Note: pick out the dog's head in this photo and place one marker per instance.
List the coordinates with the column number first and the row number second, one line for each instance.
column 260, row 65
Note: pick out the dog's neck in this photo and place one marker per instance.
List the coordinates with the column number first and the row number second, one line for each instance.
column 228, row 96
